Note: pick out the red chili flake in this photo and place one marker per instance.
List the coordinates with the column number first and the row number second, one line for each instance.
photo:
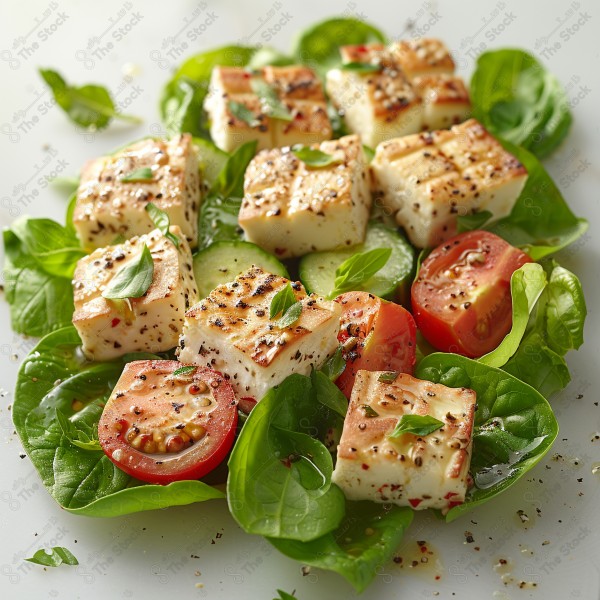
column 365, row 467
column 414, row 502
column 361, row 49
column 115, row 322
column 438, row 577
column 449, row 495
column 279, row 251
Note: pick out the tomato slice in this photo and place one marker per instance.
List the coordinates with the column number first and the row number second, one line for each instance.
column 375, row 335
column 461, row 299
column 160, row 426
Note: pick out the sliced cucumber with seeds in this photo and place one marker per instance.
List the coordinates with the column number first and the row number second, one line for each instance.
column 317, row 270
column 211, row 160
column 221, row 262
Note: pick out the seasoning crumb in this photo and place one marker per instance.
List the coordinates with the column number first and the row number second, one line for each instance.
column 522, row 516
column 469, row 539
column 545, row 542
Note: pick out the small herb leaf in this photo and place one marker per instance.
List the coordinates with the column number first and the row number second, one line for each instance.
column 362, row 67
column 187, row 370
column 388, row 377
column 291, row 315
column 132, row 280
column 57, row 556
column 358, row 269
column 272, row 104
column 417, row 425
column 282, row 301
column 312, row 157
column 243, row 113
column 143, row 174
column 369, row 412
column 161, row 219
column 334, row 366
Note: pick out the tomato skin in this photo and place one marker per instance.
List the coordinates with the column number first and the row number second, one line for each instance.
column 461, row 298
column 155, row 409
column 385, row 335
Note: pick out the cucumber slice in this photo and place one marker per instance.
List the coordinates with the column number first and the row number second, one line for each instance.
column 221, row 262
column 317, row 270
column 211, row 160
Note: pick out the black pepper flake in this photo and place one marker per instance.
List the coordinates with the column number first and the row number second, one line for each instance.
column 177, row 406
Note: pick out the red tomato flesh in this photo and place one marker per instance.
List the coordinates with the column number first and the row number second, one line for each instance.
column 160, row 427
column 461, row 298
column 375, row 335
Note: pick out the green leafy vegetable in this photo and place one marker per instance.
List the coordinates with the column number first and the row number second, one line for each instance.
column 281, row 301
column 82, row 439
column 359, row 548
column 183, row 371
column 334, row 366
column 361, row 67
column 369, row 412
column 541, row 221
column 328, row 394
column 285, row 596
column 132, row 280
column 416, row 424
column 272, row 105
column 243, row 113
column 53, row 377
column 182, row 98
column 359, row 268
column 514, row 424
column 472, row 221
column 89, row 105
column 517, row 99
column 55, row 557
column 369, row 153
column 290, row 316
column 312, row 157
column 319, row 46
column 267, row 55
column 279, row 482
column 526, row 286
column 161, row 219
column 388, row 377
column 143, row 174
column 211, row 160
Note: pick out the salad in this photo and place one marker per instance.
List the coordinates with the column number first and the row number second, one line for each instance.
column 328, row 297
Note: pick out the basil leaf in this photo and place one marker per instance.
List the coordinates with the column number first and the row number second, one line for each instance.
column 133, row 279
column 514, row 425
column 187, row 370
column 243, row 113
column 312, row 157
column 359, row 548
column 318, row 46
column 526, row 287
column 361, row 67
column 143, row 174
column 56, row 557
column 475, row 220
column 88, row 106
column 161, row 220
column 282, row 301
column 82, row 482
column 416, row 424
column 328, row 393
column 66, row 185
column 77, row 437
column 290, row 316
column 182, row 97
column 540, row 222
column 388, row 377
column 279, row 482
column 272, row 104
column 334, row 366
column 358, row 269
column 516, row 98
column 369, row 412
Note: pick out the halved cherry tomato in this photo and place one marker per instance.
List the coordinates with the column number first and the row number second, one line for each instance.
column 461, row 299
column 375, row 335
column 160, row 426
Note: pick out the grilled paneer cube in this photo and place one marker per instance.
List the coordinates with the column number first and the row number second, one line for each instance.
column 422, row 471
column 429, row 179
column 238, row 107
column 231, row 331
column 414, row 89
column 291, row 209
column 152, row 323
column 115, row 190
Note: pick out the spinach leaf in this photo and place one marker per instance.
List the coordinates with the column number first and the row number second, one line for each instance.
column 39, row 302
column 89, row 105
column 329, row 395
column 364, row 542
column 517, row 99
column 182, row 98
column 514, row 424
column 541, row 222
column 472, row 221
column 218, row 218
column 56, row 557
column 86, row 440
column 53, row 377
column 319, row 46
column 526, row 287
column 279, row 482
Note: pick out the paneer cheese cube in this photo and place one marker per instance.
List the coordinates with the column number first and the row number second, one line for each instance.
column 231, row 331
column 421, row 471
column 152, row 323
column 414, row 90
column 109, row 206
column 297, row 89
column 291, row 209
column 429, row 179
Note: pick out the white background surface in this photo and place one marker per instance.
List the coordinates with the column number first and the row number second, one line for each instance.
column 149, row 555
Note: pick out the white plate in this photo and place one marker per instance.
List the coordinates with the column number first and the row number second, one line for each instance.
column 166, row 553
